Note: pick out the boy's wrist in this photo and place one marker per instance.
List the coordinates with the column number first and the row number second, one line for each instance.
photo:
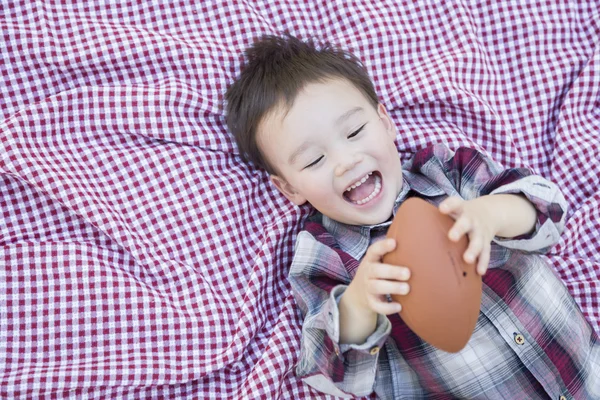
column 512, row 214
column 357, row 320
column 496, row 212
column 352, row 300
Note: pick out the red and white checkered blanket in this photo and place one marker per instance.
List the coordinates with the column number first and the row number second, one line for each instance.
column 140, row 258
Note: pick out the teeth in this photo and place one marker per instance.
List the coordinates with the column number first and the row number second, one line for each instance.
column 357, row 184
column 375, row 192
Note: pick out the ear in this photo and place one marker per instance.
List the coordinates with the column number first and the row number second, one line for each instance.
column 287, row 190
column 390, row 127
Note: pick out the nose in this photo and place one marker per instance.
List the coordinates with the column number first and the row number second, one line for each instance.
column 346, row 164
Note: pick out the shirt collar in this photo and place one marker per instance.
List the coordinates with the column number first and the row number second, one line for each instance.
column 355, row 239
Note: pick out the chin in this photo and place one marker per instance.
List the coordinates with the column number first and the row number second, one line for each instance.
column 368, row 219
column 379, row 220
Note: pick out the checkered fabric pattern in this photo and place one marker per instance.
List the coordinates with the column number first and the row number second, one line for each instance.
column 140, row 258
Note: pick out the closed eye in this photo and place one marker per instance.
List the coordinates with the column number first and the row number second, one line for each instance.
column 314, row 162
column 356, row 132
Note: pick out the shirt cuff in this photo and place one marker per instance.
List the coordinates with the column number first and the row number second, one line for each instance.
column 372, row 344
column 551, row 209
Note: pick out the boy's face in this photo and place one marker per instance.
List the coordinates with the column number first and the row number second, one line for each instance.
column 329, row 141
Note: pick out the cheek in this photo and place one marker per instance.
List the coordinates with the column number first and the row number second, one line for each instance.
column 386, row 152
column 391, row 149
column 319, row 187
column 382, row 141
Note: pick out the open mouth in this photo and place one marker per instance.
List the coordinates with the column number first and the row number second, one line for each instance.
column 365, row 190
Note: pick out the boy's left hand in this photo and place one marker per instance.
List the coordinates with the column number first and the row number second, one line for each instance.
column 474, row 218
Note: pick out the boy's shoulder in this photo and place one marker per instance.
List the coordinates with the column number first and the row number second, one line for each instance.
column 314, row 226
column 442, row 152
column 320, row 229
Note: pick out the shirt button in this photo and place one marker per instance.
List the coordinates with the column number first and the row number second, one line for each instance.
column 519, row 339
column 337, row 351
column 562, row 398
column 374, row 350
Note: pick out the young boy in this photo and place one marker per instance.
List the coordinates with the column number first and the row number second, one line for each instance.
column 311, row 118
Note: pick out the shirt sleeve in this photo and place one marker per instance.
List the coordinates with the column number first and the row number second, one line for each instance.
column 469, row 174
column 319, row 278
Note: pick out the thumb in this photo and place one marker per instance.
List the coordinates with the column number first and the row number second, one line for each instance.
column 379, row 249
column 451, row 205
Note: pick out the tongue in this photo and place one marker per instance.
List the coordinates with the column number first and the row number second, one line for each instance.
column 363, row 190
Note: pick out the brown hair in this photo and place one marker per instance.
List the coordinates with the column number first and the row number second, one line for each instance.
column 276, row 70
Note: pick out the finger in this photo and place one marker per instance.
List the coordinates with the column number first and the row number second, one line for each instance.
column 452, row 204
column 389, row 271
column 460, row 227
column 484, row 259
column 378, row 249
column 381, row 306
column 383, row 287
column 474, row 249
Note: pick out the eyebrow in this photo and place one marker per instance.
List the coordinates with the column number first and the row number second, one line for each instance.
column 304, row 146
column 348, row 114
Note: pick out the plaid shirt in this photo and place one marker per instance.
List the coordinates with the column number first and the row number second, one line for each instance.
column 531, row 340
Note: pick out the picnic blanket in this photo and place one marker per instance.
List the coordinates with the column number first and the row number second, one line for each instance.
column 141, row 258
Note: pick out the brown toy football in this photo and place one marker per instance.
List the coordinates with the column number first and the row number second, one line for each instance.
column 442, row 306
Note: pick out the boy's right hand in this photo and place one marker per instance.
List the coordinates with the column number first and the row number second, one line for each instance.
column 375, row 280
